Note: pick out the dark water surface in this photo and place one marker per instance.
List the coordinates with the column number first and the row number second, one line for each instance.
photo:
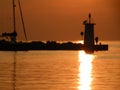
column 61, row 70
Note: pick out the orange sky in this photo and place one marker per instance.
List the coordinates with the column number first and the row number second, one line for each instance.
column 62, row 19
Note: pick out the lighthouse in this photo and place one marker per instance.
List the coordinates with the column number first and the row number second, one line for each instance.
column 89, row 34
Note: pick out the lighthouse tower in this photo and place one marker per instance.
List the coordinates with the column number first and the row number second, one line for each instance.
column 89, row 34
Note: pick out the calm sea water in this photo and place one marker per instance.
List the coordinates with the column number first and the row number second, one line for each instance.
column 61, row 70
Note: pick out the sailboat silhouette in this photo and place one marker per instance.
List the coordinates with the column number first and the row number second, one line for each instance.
column 12, row 35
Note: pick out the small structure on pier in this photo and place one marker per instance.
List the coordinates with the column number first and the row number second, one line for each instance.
column 89, row 34
column 89, row 43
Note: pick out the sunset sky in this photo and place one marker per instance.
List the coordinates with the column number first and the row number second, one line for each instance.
column 62, row 19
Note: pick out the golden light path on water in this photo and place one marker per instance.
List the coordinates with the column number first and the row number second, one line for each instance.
column 85, row 69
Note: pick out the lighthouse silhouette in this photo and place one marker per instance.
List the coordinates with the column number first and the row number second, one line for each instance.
column 89, row 34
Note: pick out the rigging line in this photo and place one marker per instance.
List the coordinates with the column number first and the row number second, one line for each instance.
column 22, row 19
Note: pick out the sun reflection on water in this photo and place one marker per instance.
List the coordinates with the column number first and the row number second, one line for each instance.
column 85, row 69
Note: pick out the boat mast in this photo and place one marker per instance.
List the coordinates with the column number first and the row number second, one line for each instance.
column 14, row 20
column 13, row 37
column 14, row 34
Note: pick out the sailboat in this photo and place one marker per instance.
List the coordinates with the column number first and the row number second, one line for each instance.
column 11, row 44
column 13, row 34
column 14, row 45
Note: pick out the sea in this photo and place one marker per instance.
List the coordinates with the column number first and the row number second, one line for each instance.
column 61, row 70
